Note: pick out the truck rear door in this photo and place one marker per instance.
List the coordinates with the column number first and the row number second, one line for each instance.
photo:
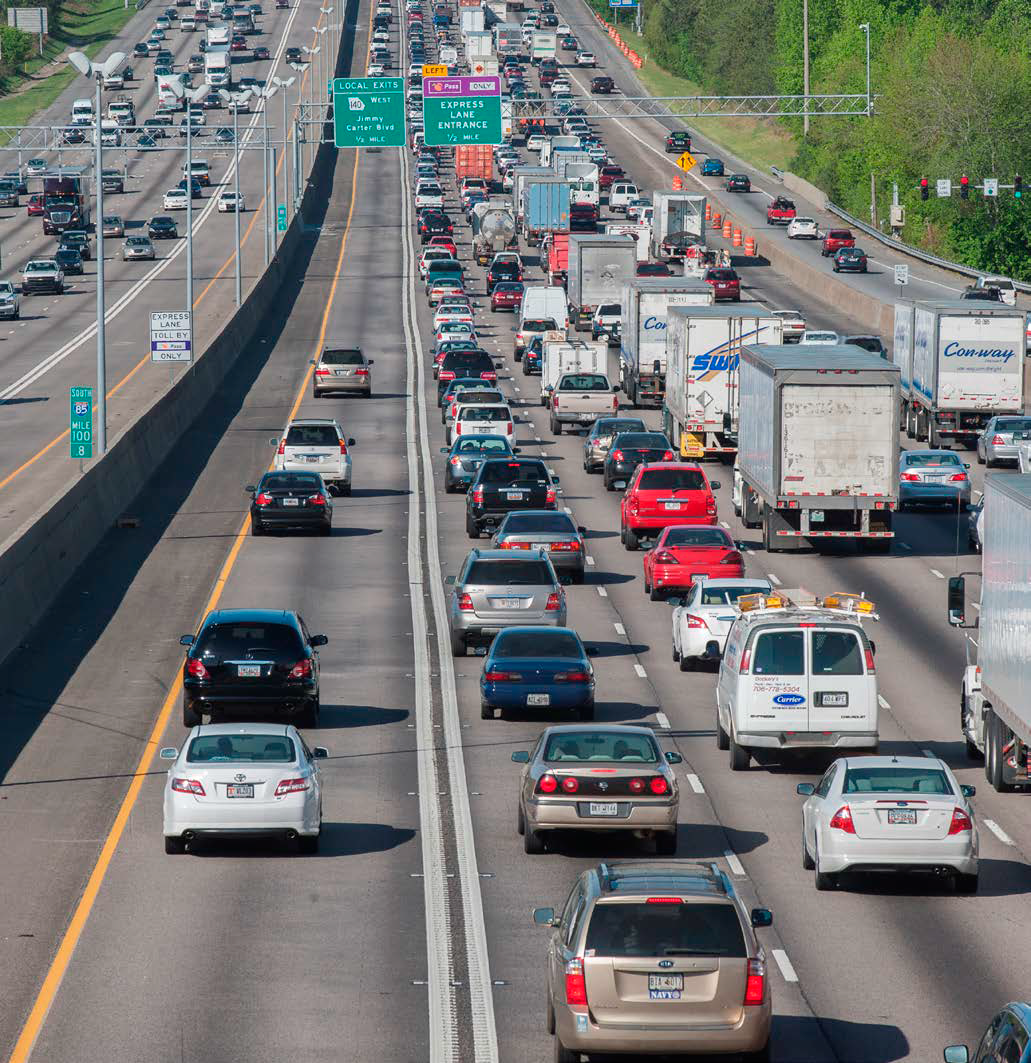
column 774, row 689
column 842, row 684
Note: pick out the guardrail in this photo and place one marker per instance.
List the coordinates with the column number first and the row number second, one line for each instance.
column 899, row 245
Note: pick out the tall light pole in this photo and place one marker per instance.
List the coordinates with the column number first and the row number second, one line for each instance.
column 236, row 101
column 326, row 12
column 179, row 91
column 312, row 53
column 805, row 66
column 98, row 71
column 284, row 84
column 865, row 27
column 266, row 94
column 300, row 67
column 323, row 47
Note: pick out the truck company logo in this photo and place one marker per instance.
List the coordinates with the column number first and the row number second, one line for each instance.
column 709, row 365
column 789, row 700
column 653, row 323
column 1001, row 354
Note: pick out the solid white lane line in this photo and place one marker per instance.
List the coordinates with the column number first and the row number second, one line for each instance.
column 976, row 605
column 785, row 965
column 882, row 702
column 663, row 721
column 736, row 866
column 998, row 832
column 620, row 630
column 775, row 580
column 602, row 592
column 639, row 669
column 935, row 572
column 696, row 783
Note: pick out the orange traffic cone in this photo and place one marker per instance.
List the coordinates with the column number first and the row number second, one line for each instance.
column 726, row 229
column 737, row 236
column 708, row 211
column 717, row 221
column 750, row 246
column 678, row 184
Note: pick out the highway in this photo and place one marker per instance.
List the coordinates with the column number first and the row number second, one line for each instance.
column 53, row 345
column 408, row 938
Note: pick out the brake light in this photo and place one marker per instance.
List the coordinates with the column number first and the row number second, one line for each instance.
column 658, row 785
column 664, row 557
column 843, row 820
column 746, row 660
column 615, row 404
column 361, row 372
column 301, row 670
column 710, row 506
column 502, row 677
column 572, row 677
column 755, row 986
column 343, row 447
column 958, row 477
column 322, row 372
column 870, row 667
column 696, row 622
column 456, row 461
column 576, row 984
column 509, row 429
column 553, row 603
column 196, row 669
column 263, row 499
column 458, row 428
column 960, row 822
column 548, row 784
column 282, row 447
column 478, row 496
column 565, row 546
column 465, row 603
column 570, row 784
column 445, row 374
column 668, row 456
column 636, row 786
column 554, row 402
column 733, row 558
column 454, row 409
column 664, row 900
column 551, row 497
column 910, row 477
column 489, row 375
column 291, row 786
column 189, row 786
column 617, row 455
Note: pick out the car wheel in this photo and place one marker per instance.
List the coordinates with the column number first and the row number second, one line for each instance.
column 577, row 576
column 17, row 315
column 486, row 711
column 549, row 1016
column 326, row 530
column 630, row 540
column 191, row 718
column 533, row 841
column 256, row 528
column 344, row 490
column 676, row 652
column 687, row 663
column 521, row 823
column 585, row 712
column 823, row 881
column 966, row 884
column 807, row 860
column 722, row 738
column 518, row 354
column 175, row 845
column 471, row 529
column 309, row 715
column 556, row 427
column 316, row 393
column 308, row 844
column 666, row 843
column 458, row 647
column 740, row 756
column 656, row 594
column 980, row 457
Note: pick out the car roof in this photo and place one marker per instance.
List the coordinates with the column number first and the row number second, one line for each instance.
column 905, row 454
column 622, row 877
column 893, row 761
column 314, row 420
column 227, row 616
column 732, row 581
column 620, row 728
column 280, row 729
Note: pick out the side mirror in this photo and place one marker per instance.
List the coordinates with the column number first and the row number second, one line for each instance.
column 581, row 529
column 168, row 753
column 615, row 388
column 445, row 450
column 556, row 479
column 320, row 752
column 674, row 758
column 957, row 600
column 449, row 581
column 675, row 603
column 956, row 1054
column 715, row 484
column 805, row 789
column 273, row 442
column 249, row 489
column 520, row 756
column 350, row 442
column 318, row 640
column 186, row 640
column 372, row 361
column 544, row 916
column 968, row 791
column 592, row 651
column 762, row 917
column 966, row 465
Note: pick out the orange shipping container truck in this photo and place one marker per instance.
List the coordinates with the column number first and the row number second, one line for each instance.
column 558, row 258
column 474, row 160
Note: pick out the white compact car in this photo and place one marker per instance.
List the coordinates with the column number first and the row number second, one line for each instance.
column 485, row 419
column 889, row 814
column 701, row 621
column 250, row 780
column 586, row 59
column 803, row 229
column 228, row 203
column 452, row 312
column 316, row 444
column 175, row 199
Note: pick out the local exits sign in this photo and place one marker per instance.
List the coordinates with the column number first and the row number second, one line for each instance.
column 369, row 112
column 461, row 110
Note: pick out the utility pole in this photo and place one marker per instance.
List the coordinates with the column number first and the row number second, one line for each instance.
column 805, row 65
column 873, row 200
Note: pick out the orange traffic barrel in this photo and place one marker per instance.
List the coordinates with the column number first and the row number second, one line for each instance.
column 750, row 246
column 708, row 211
column 717, row 221
column 737, row 236
column 726, row 229
column 678, row 184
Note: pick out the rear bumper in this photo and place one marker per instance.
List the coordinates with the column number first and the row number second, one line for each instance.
column 300, row 519
column 479, row 629
column 678, row 577
column 248, row 818
column 343, row 383
column 563, row 814
column 877, row 855
column 670, row 520
column 808, row 740
column 563, row 696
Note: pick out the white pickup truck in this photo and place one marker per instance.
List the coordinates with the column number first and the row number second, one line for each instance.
column 580, row 399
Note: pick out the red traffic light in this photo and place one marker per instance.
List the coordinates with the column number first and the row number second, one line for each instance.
column 964, row 187
column 924, row 191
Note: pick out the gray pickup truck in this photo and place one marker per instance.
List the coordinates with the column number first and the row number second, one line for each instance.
column 580, row 399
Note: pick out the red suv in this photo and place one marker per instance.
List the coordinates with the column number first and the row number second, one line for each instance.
column 609, row 174
column 507, row 295
column 835, row 240
column 664, row 494
column 726, row 284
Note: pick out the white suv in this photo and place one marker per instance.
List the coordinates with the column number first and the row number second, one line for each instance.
column 316, row 444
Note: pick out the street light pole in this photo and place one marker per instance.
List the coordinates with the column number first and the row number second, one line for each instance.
column 284, row 84
column 266, row 95
column 865, row 26
column 235, row 101
column 805, row 66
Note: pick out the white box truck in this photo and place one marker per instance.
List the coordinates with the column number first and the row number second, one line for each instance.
column 968, row 366
column 560, row 355
column 996, row 696
column 818, row 449
column 678, row 220
column 902, row 349
column 703, row 352
column 645, row 303
column 598, row 268
column 639, row 232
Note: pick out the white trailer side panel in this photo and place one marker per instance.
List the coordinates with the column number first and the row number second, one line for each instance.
column 756, row 442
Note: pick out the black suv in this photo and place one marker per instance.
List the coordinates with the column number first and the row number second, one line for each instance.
column 506, row 484
column 468, row 362
column 602, row 85
column 677, row 142
column 252, row 658
column 502, row 271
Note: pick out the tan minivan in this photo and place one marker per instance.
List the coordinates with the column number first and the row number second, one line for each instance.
column 656, row 959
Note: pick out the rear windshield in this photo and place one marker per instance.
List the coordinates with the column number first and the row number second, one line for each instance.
column 584, row 382
column 538, row 324
column 241, row 749
column 926, row 461
column 312, row 435
column 520, row 573
column 643, row 440
column 728, row 595
column 722, row 274
column 642, row 929
column 836, row 653
column 248, row 641
column 485, row 413
column 509, row 472
column 697, row 537
column 467, row 395
column 487, row 445
column 607, row 427
column 467, row 359
column 1013, row 424
column 342, row 356
column 288, row 481
column 536, row 644
column 447, row 265
column 671, row 480
column 840, row 234
column 601, row 745
column 779, row 653
column 557, row 523
column 896, row 779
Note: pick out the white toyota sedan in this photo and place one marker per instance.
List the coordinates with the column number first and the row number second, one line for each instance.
column 889, row 814
column 702, row 620
column 250, row 780
column 175, row 199
column 803, row 229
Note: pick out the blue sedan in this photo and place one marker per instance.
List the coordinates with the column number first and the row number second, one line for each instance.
column 537, row 668
column 466, row 455
column 712, row 168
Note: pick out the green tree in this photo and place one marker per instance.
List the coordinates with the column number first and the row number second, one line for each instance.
column 15, row 48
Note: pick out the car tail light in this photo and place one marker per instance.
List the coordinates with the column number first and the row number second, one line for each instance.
column 565, row 546
column 551, row 497
column 554, row 402
column 710, row 506
column 910, row 477
column 502, row 677
column 998, row 441
column 636, row 786
column 664, row 557
column 570, row 785
column 196, row 669
column 755, row 986
column 576, row 984
column 343, row 447
column 960, row 822
column 664, row 900
column 658, row 785
column 548, row 784
column 317, row 500
column 843, row 820
column 870, row 667
column 478, row 496
column 322, row 372
column 445, row 374
column 958, row 477
column 489, row 375
column 733, row 558
column 458, row 428
column 189, row 786
column 508, row 431
column 696, row 622
column 746, row 660
column 282, row 447
column 668, row 456
column 301, row 670
column 617, row 455
column 572, row 677
column 454, row 410
column 465, row 603
column 292, row 786
column 554, row 603
column 263, row 499
column 361, row 372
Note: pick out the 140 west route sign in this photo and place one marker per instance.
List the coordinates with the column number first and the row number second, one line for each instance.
column 461, row 110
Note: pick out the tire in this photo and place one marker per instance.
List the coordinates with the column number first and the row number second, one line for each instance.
column 585, row 712
column 666, row 843
column 980, row 459
column 687, row 664
column 309, row 715
column 175, row 845
column 533, row 841
column 458, row 646
column 675, row 652
column 256, row 529
column 563, row 1055
column 308, row 844
column 326, row 530
column 471, row 529
column 807, row 860
column 630, row 540
column 761, row 1056
column 556, row 427
column 740, row 756
column 344, row 491
column 722, row 738
column 316, row 393
column 966, row 884
column 655, row 594
column 577, row 576
column 486, row 711
column 191, row 718
column 823, row 880
column 521, row 824
column 549, row 1017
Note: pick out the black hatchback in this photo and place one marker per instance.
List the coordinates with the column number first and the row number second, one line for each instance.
column 248, row 659
column 630, row 449
column 70, row 261
column 162, row 227
column 290, row 501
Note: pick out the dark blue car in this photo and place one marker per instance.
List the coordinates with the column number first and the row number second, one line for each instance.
column 467, row 454
column 712, row 168
column 537, row 668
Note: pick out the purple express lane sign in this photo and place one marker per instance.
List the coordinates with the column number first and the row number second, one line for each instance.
column 461, row 110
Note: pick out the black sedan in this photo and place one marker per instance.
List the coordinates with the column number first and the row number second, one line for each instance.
column 850, row 260
column 738, row 182
column 70, row 261
column 466, row 455
column 162, row 227
column 630, row 449
column 141, row 51
column 290, row 501
column 261, row 52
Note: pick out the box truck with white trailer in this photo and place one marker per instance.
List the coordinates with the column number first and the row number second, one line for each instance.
column 676, row 214
column 598, row 268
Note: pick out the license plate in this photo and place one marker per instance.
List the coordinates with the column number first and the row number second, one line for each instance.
column 240, row 789
column 587, row 417
column 837, row 701
column 538, row 699
column 540, row 546
column 665, row 981
column 505, row 603
column 312, row 457
column 248, row 671
column 341, row 372
column 671, row 505
column 933, row 478
column 291, row 501
column 816, row 516
column 901, row 815
column 514, row 496
column 603, row 808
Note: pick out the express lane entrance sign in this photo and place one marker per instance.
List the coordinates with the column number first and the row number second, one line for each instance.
column 461, row 110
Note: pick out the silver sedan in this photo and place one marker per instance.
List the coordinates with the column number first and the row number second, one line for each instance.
column 999, row 440
column 933, row 478
column 889, row 814
column 545, row 529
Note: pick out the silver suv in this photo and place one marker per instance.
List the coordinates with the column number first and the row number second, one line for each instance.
column 342, row 369
column 316, row 445
column 498, row 589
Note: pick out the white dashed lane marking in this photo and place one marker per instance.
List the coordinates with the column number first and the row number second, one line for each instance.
column 620, row 630
column 602, row 592
column 696, row 783
column 998, row 832
column 736, row 866
column 935, row 572
column 785, row 965
column 663, row 720
column 775, row 580
column 639, row 669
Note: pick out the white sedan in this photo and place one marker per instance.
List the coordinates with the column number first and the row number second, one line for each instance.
column 803, row 229
column 536, row 141
column 705, row 616
column 454, row 330
column 175, row 199
column 586, row 59
column 376, row 70
column 246, row 779
column 889, row 814
column 451, row 313
column 228, row 203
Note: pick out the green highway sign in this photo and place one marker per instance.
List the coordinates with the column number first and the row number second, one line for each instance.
column 80, row 422
column 281, row 217
column 369, row 112
column 461, row 110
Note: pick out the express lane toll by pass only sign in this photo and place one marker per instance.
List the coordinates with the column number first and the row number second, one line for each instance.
column 462, row 110
column 171, row 336
column 369, row 112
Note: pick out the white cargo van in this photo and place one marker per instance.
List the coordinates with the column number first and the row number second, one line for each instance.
column 797, row 673
column 82, row 111
column 541, row 301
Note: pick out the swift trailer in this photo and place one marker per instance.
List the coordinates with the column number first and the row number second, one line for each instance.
column 703, row 352
column 642, row 341
column 598, row 268
column 968, row 366
column 677, row 220
column 902, row 352
column 996, row 697
column 818, row 452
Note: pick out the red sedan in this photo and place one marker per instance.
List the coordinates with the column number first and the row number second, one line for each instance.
column 835, row 240
column 445, row 243
column 665, row 494
column 726, row 284
column 508, row 295
column 683, row 554
column 238, row 43
column 34, row 206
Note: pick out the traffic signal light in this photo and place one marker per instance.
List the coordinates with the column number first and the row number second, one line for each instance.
column 1018, row 186
column 924, row 190
column 964, row 187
